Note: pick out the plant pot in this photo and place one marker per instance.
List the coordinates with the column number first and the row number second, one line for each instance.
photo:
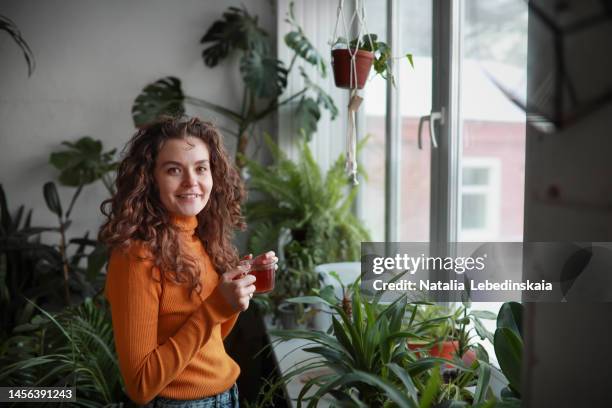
column 321, row 317
column 445, row 349
column 289, row 316
column 341, row 63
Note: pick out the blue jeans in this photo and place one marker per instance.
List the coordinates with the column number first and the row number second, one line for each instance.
column 227, row 399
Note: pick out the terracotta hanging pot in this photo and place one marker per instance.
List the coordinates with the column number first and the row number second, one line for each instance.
column 341, row 63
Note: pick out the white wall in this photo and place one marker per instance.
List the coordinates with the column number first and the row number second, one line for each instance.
column 93, row 58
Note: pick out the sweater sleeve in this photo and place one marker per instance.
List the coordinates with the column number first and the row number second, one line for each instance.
column 147, row 367
column 227, row 326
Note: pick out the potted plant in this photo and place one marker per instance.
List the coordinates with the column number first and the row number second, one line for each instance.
column 368, row 362
column 367, row 53
column 448, row 333
column 305, row 216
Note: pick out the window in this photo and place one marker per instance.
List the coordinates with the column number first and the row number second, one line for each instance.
column 472, row 186
column 480, row 208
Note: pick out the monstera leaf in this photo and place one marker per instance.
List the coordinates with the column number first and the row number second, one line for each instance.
column 266, row 77
column 164, row 96
column 83, row 162
column 297, row 41
column 237, row 30
column 7, row 25
column 323, row 98
column 307, row 115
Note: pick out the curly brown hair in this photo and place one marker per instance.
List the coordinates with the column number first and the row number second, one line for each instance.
column 135, row 214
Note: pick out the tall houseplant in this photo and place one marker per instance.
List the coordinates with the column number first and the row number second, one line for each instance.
column 264, row 79
column 33, row 269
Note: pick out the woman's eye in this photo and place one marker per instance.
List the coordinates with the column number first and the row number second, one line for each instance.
column 202, row 169
column 173, row 170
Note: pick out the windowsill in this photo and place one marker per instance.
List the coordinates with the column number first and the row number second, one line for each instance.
column 290, row 355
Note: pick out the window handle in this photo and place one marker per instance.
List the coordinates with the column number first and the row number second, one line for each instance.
column 431, row 118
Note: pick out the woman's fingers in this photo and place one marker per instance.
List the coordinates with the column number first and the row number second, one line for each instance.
column 266, row 259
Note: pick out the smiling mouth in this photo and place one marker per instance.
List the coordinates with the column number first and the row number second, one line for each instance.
column 190, row 195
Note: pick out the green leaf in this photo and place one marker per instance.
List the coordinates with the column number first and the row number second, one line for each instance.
column 96, row 260
column 481, row 353
column 511, row 316
column 484, row 377
column 366, row 44
column 387, row 387
column 237, row 30
column 405, row 378
column 52, row 198
column 409, row 56
column 10, row 27
column 297, row 41
column 432, row 388
column 265, row 76
column 164, row 96
column 83, row 163
column 323, row 98
column 509, row 351
column 307, row 116
column 483, row 333
column 483, row 314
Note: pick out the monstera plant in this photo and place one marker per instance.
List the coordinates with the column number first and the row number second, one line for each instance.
column 264, row 79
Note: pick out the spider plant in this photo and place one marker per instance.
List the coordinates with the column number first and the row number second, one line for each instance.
column 370, row 364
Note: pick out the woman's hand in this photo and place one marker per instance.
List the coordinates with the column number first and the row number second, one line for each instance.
column 237, row 287
column 262, row 259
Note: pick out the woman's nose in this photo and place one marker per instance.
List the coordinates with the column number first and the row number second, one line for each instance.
column 189, row 179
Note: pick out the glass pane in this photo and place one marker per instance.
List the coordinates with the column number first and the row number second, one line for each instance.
column 414, row 85
column 415, row 101
column 373, row 154
column 475, row 176
column 492, row 129
column 494, row 43
column 474, row 211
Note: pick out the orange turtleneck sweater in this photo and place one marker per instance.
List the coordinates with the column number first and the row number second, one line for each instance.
column 169, row 343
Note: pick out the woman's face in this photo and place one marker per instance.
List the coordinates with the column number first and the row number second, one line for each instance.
column 183, row 175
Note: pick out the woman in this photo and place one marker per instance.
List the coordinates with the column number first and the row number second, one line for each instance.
column 175, row 283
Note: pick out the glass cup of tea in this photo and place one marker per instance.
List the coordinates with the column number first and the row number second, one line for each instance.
column 264, row 273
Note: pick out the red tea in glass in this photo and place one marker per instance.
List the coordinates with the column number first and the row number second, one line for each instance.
column 264, row 273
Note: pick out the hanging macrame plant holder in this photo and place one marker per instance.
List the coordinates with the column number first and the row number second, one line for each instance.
column 351, row 68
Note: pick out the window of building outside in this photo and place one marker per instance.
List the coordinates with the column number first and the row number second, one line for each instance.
column 491, row 130
column 480, row 196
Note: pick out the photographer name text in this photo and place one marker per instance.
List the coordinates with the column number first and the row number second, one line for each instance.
column 455, row 285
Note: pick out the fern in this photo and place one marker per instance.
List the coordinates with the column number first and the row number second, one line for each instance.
column 72, row 348
column 314, row 208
